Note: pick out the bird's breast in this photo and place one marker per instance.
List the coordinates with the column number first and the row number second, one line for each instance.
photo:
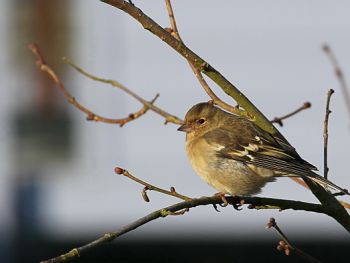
column 225, row 175
column 201, row 156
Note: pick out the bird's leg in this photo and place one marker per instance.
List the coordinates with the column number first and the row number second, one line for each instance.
column 223, row 198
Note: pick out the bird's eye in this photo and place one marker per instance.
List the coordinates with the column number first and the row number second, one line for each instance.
column 200, row 121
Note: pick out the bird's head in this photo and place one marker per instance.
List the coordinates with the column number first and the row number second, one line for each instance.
column 201, row 118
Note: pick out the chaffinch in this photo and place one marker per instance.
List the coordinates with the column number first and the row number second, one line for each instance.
column 236, row 157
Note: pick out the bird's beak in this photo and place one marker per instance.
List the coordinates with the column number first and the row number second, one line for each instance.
column 185, row 128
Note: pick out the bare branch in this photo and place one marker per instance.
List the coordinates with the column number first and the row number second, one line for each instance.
column 199, row 63
column 325, row 135
column 345, row 204
column 168, row 117
column 149, row 186
column 215, row 99
column 339, row 74
column 331, row 205
column 180, row 208
column 286, row 246
column 91, row 116
column 279, row 120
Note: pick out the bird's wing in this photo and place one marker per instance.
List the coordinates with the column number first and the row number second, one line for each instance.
column 251, row 145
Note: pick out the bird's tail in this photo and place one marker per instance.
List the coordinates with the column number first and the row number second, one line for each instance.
column 327, row 184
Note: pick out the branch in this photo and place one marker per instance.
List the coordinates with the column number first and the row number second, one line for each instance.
column 91, row 116
column 330, row 204
column 303, row 184
column 286, row 246
column 345, row 204
column 338, row 212
column 197, row 62
column 279, row 120
column 215, row 99
column 168, row 117
column 149, row 186
column 339, row 74
column 184, row 206
column 175, row 33
column 325, row 135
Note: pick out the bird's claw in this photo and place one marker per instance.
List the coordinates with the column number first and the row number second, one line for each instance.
column 223, row 198
column 237, row 207
column 216, row 208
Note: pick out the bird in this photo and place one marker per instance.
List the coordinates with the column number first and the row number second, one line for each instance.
column 237, row 157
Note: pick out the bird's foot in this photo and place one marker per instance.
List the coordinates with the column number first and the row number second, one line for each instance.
column 223, row 198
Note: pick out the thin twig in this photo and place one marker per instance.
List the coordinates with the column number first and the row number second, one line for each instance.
column 175, row 33
column 91, row 116
column 168, row 117
column 279, row 120
column 330, row 204
column 286, row 246
column 345, row 204
column 339, row 74
column 303, row 184
column 182, row 207
column 333, row 207
column 254, row 113
column 215, row 99
column 325, row 135
column 149, row 186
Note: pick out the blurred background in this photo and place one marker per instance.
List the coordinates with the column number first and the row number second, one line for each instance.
column 57, row 185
